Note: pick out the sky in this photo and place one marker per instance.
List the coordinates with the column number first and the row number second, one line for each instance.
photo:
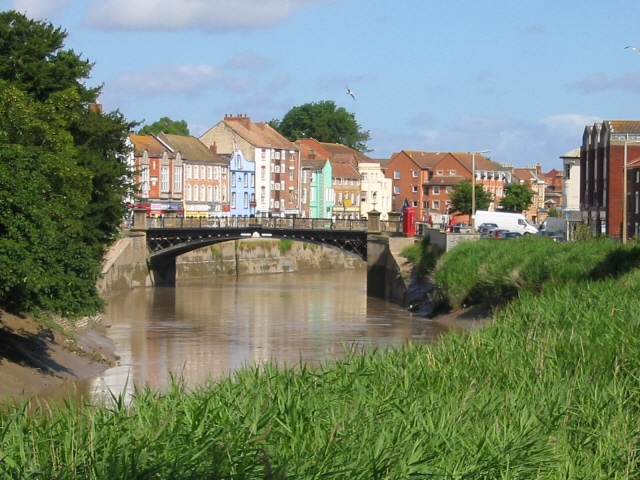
column 521, row 79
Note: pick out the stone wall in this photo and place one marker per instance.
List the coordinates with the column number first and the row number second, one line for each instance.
column 125, row 265
column 257, row 256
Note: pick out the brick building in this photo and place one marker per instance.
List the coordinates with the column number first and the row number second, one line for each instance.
column 602, row 170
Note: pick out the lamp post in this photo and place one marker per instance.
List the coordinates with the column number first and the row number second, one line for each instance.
column 625, row 200
column 375, row 197
column 473, row 187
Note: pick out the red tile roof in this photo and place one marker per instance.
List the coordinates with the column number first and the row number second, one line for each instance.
column 150, row 144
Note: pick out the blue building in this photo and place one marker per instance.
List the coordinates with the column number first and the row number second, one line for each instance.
column 242, row 184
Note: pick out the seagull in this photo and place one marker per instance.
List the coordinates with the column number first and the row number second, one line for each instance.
column 349, row 92
column 633, row 48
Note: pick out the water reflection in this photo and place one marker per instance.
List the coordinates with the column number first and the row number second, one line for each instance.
column 211, row 327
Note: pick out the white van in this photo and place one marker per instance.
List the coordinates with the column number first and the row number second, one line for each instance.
column 514, row 222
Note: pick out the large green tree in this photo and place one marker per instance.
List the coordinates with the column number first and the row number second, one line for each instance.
column 62, row 173
column 517, row 198
column 325, row 122
column 461, row 198
column 166, row 125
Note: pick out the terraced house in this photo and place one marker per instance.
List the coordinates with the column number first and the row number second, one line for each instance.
column 276, row 162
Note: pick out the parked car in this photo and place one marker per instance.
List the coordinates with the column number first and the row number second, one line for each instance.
column 508, row 235
column 483, row 228
column 494, row 232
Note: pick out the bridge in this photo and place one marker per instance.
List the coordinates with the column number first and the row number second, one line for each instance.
column 169, row 237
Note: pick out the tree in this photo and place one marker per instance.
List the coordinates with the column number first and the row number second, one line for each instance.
column 62, row 173
column 461, row 198
column 517, row 198
column 166, row 125
column 32, row 59
column 324, row 122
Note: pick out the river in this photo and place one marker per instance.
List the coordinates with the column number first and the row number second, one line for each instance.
column 208, row 328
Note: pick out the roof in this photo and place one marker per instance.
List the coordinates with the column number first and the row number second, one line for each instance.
column 445, row 180
column 310, row 147
column 623, row 126
column 259, row 134
column 190, row 148
column 344, row 170
column 149, row 143
column 342, row 152
column 425, row 160
column 467, row 160
column 575, row 153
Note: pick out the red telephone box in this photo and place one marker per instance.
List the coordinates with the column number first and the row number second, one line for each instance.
column 409, row 221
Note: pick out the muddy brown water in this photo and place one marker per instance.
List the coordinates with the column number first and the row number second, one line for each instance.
column 208, row 328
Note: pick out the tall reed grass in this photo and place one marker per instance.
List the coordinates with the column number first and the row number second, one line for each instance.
column 549, row 391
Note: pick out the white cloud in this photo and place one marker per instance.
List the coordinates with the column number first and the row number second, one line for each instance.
column 212, row 15
column 38, row 9
column 599, row 82
column 176, row 79
column 568, row 124
column 247, row 61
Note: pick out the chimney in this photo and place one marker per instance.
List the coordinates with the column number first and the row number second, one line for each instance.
column 243, row 119
column 213, row 148
column 96, row 107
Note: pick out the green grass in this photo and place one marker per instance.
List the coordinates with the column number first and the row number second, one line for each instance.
column 549, row 391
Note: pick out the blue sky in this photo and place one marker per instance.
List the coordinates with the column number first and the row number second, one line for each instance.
column 519, row 78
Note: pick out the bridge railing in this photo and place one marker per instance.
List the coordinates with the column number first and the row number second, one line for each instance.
column 242, row 222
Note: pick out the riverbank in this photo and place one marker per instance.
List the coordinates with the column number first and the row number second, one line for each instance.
column 35, row 357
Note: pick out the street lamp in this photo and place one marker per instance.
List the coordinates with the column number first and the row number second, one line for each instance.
column 375, row 197
column 625, row 200
column 473, row 187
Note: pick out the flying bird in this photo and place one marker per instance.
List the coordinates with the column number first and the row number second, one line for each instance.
column 633, row 48
column 349, row 92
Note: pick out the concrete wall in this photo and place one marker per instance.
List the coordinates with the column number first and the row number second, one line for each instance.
column 384, row 276
column 446, row 241
column 125, row 265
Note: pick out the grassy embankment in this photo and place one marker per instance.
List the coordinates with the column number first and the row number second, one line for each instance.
column 551, row 390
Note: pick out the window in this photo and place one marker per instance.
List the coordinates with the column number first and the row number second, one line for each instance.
column 396, row 174
column 436, row 205
column 189, row 196
column 263, row 172
column 216, row 173
column 164, row 179
column 435, row 189
column 276, row 155
column 364, row 176
column 202, row 174
column 196, row 173
column 233, row 199
column 414, row 173
column 567, row 171
column 233, row 179
column 188, row 172
column 448, row 189
column 246, row 199
column 203, row 193
column 177, row 179
column 209, row 173
column 290, row 173
column 196, row 193
column 144, row 181
column 396, row 190
column 414, row 204
column 452, row 172
column 414, row 188
column 246, row 180
column 292, row 156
